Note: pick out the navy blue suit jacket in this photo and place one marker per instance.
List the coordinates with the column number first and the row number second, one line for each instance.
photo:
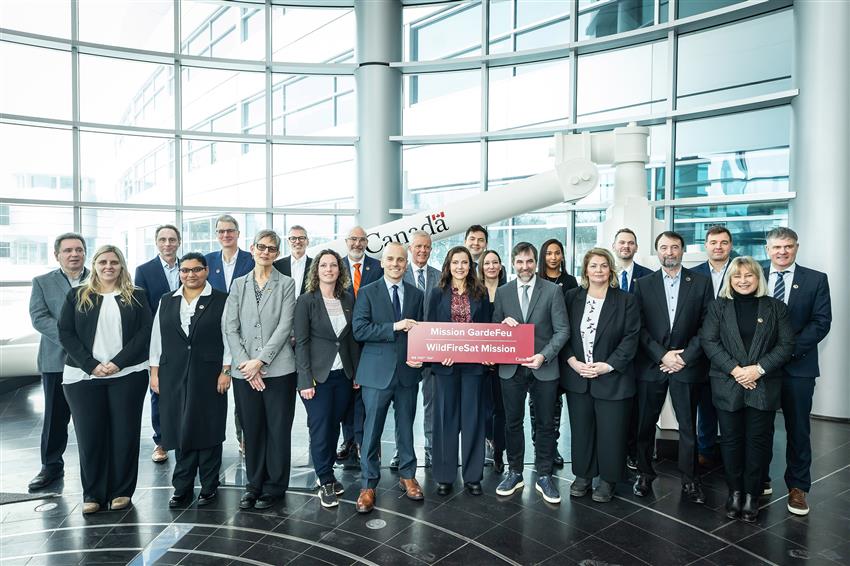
column 638, row 272
column 369, row 273
column 244, row 265
column 373, row 326
column 810, row 307
column 151, row 278
column 440, row 310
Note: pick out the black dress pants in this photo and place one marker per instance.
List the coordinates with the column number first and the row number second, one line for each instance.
column 324, row 412
column 54, row 430
column 598, row 436
column 107, row 416
column 797, row 394
column 205, row 462
column 746, row 441
column 684, row 396
column 559, row 407
column 352, row 421
column 266, row 429
column 514, row 393
column 494, row 418
column 458, row 412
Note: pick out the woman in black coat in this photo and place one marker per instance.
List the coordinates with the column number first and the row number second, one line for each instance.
column 105, row 329
column 748, row 338
column 596, row 372
column 326, row 357
column 491, row 275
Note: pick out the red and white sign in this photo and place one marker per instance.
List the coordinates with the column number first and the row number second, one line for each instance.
column 470, row 343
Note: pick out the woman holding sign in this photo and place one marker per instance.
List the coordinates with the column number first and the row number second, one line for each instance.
column 459, row 388
column 596, row 371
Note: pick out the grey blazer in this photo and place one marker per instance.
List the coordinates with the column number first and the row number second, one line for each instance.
column 261, row 331
column 432, row 277
column 48, row 296
column 547, row 312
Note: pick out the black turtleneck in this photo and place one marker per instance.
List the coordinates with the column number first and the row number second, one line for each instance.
column 746, row 311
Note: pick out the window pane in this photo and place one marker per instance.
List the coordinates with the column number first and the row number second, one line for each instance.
column 536, row 228
column 529, row 95
column 199, row 230
column 749, row 223
column 131, row 230
column 512, row 160
column 607, row 17
column 624, row 82
column 312, row 35
column 313, row 175
column 532, row 11
column 215, row 101
column 555, row 33
column 45, row 17
column 36, row 163
column 216, row 172
column 442, row 103
column 313, row 105
column 35, row 81
column 736, row 154
column 321, row 228
column 454, row 32
column 213, row 29
column 501, row 18
column 434, row 174
column 26, row 239
column 130, row 93
column 588, row 225
column 687, row 8
column 143, row 24
column 748, row 58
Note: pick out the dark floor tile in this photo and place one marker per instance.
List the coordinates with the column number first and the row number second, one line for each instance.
column 389, row 556
column 222, row 545
column 513, row 545
column 256, row 521
column 57, row 559
column 378, row 525
column 472, row 555
column 192, row 559
column 111, row 557
column 780, row 550
column 269, row 554
column 598, row 551
column 815, row 532
column 645, row 545
column 840, row 554
column 295, row 535
column 733, row 556
column 426, row 543
column 589, row 517
column 169, row 558
column 556, row 535
column 458, row 521
column 126, row 540
column 686, row 536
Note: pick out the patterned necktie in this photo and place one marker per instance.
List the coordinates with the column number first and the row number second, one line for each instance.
column 524, row 304
column 779, row 289
column 396, row 304
column 624, row 281
column 356, row 278
column 420, row 279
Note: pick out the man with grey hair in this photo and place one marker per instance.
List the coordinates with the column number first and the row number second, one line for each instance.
column 231, row 262
column 48, row 296
column 297, row 264
column 806, row 292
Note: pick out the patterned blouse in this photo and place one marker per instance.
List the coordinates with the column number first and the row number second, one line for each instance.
column 258, row 293
column 589, row 322
column 461, row 311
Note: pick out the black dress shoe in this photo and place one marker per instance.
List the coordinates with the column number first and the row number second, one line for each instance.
column 733, row 505
column 45, row 478
column 207, row 498
column 266, row 500
column 249, row 499
column 643, row 486
column 179, row 499
column 693, row 491
column 344, row 450
column 750, row 509
column 558, row 460
column 394, row 463
column 444, row 489
column 427, row 457
column 498, row 464
column 473, row 487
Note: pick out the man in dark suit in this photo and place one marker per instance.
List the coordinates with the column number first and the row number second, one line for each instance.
column 718, row 248
column 46, row 300
column 806, row 292
column 531, row 300
column 673, row 301
column 476, row 241
column 383, row 314
column 230, row 262
column 363, row 270
column 625, row 247
column 157, row 277
column 297, row 264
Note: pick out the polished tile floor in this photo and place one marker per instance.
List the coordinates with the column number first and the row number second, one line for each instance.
column 458, row 529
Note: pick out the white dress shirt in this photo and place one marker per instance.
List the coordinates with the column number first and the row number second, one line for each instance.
column 717, row 277
column 229, row 267
column 172, row 274
column 671, row 293
column 773, row 277
column 351, row 264
column 297, row 269
column 519, row 285
column 416, row 271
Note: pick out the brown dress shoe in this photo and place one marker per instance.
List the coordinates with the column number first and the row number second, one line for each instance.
column 366, row 500
column 411, row 489
column 797, row 502
column 159, row 455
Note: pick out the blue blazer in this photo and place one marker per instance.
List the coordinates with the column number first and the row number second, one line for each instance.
column 244, row 265
column 440, row 310
column 371, row 271
column 151, row 278
column 810, row 308
column 373, row 326
column 638, row 272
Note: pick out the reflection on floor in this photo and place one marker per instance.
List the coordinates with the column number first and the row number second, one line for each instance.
column 458, row 529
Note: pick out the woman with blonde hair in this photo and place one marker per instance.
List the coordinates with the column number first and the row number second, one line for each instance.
column 105, row 329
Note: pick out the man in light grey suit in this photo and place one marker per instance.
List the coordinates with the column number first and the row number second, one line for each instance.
column 48, row 296
column 531, row 300
column 425, row 278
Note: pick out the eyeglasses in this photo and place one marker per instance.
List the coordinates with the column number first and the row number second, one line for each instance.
column 263, row 248
column 188, row 270
column 294, row 239
column 224, row 231
column 358, row 240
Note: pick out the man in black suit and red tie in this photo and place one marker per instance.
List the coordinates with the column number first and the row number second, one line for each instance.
column 673, row 302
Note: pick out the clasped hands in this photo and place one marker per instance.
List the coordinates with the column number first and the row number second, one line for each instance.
column 254, row 373
column 672, row 362
column 591, row 370
column 105, row 370
column 746, row 376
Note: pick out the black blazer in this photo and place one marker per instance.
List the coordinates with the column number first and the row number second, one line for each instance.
column 771, row 347
column 77, row 330
column 440, row 310
column 284, row 265
column 656, row 336
column 616, row 344
column 565, row 281
column 316, row 343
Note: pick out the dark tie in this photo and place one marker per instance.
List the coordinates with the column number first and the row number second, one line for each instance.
column 420, row 279
column 779, row 289
column 624, row 281
column 396, row 304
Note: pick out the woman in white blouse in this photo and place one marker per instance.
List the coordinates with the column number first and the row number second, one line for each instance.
column 326, row 356
column 596, row 372
column 105, row 328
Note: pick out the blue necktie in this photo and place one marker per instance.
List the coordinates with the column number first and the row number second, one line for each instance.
column 396, row 304
column 624, row 281
column 779, row 288
column 420, row 279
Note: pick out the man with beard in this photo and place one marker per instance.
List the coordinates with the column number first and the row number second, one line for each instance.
column 673, row 301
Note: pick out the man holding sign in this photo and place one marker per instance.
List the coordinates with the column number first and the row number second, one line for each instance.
column 532, row 300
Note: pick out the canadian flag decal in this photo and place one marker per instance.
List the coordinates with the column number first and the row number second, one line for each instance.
column 440, row 214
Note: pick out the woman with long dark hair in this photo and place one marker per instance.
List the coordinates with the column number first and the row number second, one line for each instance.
column 490, row 273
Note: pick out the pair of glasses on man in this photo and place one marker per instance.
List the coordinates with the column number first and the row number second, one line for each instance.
column 188, row 270
column 354, row 240
column 295, row 239
column 263, row 248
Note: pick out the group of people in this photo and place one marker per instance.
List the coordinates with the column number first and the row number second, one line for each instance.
column 731, row 341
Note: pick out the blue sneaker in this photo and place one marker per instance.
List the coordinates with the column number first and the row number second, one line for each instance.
column 511, row 483
column 546, row 486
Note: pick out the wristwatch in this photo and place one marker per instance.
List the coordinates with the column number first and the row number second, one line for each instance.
column 226, row 372
column 760, row 369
